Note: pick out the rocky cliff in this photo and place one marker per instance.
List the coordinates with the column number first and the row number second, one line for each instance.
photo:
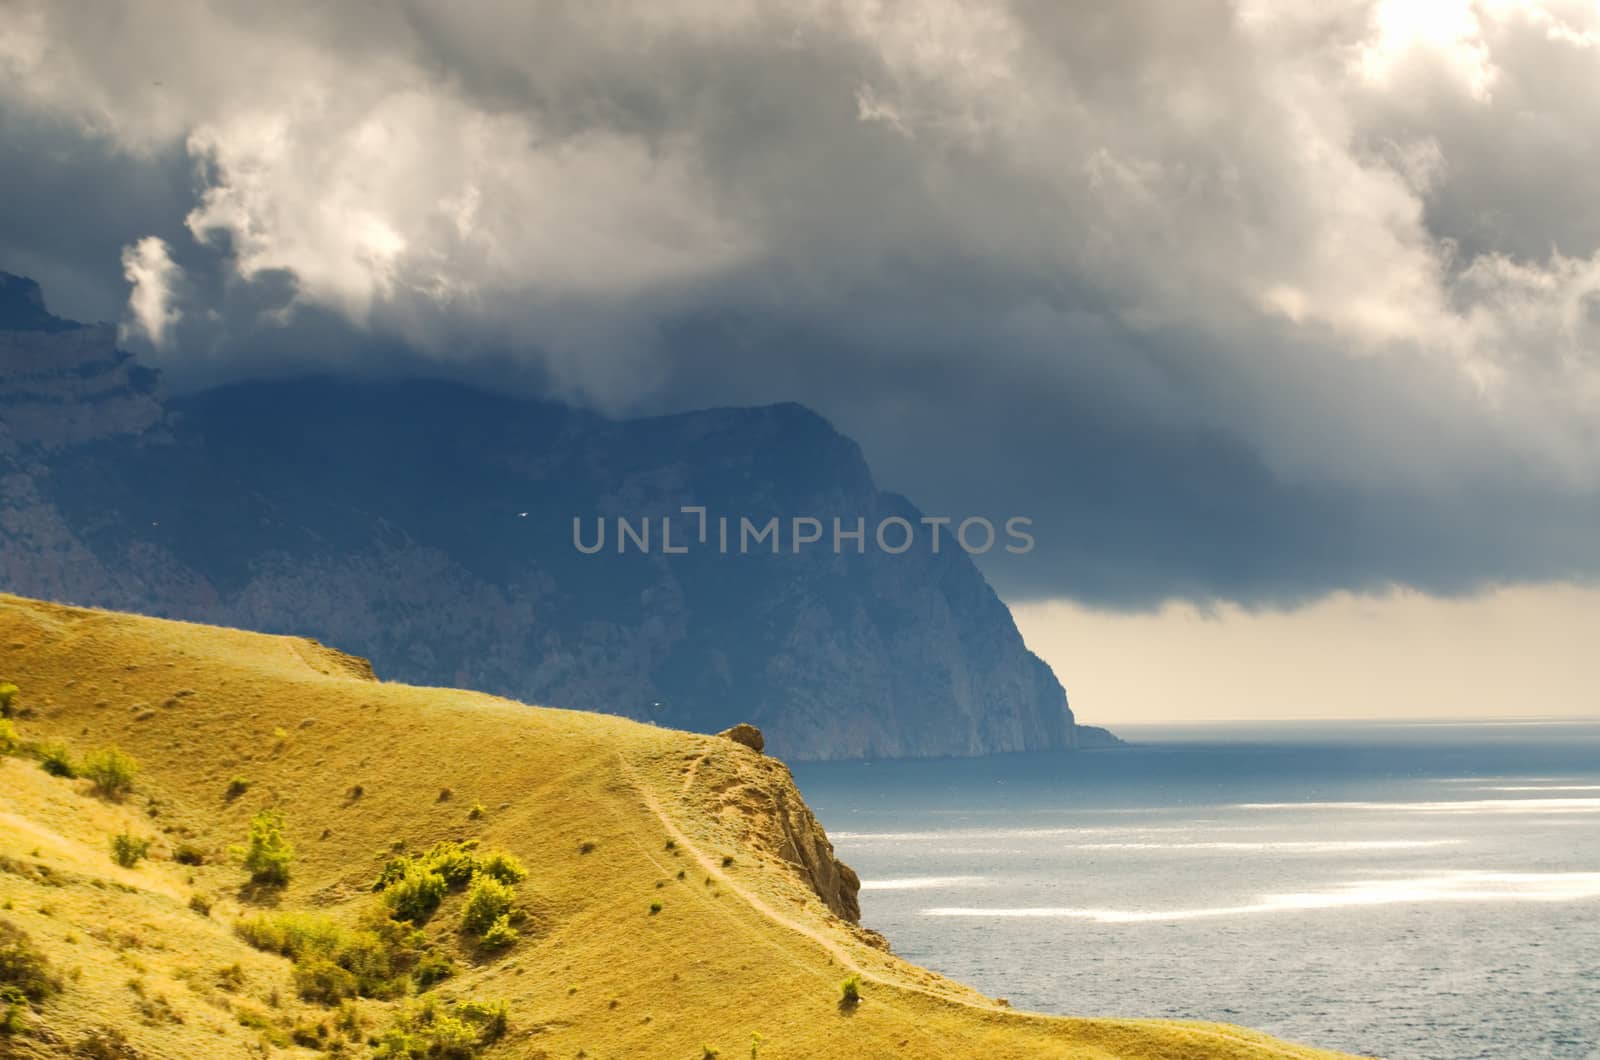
column 430, row 527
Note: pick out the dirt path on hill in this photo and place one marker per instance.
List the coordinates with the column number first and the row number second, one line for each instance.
column 714, row 870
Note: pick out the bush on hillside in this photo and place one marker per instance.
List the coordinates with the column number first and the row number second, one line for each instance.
column 487, row 901
column 111, row 771
column 9, row 740
column 55, row 759
column 321, row 980
column 503, row 867
column 490, row 1017
column 8, row 698
column 433, row 967
column 333, row 961
column 415, row 895
column 415, row 884
column 500, row 934
column 850, row 991
column 266, row 853
column 427, row 1029
column 128, row 850
column 24, row 972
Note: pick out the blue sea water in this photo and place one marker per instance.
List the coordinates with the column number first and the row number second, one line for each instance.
column 1396, row 890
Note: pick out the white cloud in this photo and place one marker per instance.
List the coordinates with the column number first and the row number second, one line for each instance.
column 150, row 270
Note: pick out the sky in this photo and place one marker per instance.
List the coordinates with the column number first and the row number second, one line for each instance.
column 1525, row 652
column 1251, row 307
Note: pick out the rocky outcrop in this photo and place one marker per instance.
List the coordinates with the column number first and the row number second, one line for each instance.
column 774, row 821
column 429, row 527
column 746, row 734
column 806, row 846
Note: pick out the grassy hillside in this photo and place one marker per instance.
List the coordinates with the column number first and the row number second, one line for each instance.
column 674, row 896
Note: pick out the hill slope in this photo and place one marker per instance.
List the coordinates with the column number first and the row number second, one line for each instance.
column 753, row 933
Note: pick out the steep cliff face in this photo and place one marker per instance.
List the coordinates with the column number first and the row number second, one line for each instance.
column 430, row 527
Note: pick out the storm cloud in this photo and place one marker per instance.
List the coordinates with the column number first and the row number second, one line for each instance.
column 1238, row 301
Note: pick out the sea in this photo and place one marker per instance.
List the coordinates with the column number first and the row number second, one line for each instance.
column 1391, row 889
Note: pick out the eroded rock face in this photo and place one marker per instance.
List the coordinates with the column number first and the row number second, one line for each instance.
column 747, row 734
column 429, row 527
column 774, row 821
column 806, row 845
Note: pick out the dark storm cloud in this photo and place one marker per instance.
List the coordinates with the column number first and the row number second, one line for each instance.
column 1240, row 301
column 71, row 203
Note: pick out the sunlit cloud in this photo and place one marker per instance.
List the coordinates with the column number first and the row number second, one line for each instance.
column 151, row 273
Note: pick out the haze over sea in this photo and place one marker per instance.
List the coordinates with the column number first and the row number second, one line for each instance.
column 1392, row 889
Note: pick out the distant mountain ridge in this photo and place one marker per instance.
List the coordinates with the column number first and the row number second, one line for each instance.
column 428, row 526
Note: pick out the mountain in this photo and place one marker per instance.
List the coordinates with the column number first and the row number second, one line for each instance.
column 429, row 526
column 670, row 894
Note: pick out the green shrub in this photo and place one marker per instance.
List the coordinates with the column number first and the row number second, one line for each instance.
column 503, row 867
column 128, row 850
column 655, row 907
column 487, row 901
column 291, row 935
column 12, row 1010
column 427, row 1030
column 439, row 1038
column 377, row 955
column 237, row 786
column 319, row 979
column 8, row 698
column 188, row 854
column 456, row 862
column 416, row 895
column 55, row 759
column 266, row 853
column 490, row 1017
column 349, row 1020
column 200, row 903
column 850, row 991
column 415, row 884
column 9, row 740
column 433, row 967
column 500, row 934
column 309, row 1035
column 110, row 771
column 25, row 974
